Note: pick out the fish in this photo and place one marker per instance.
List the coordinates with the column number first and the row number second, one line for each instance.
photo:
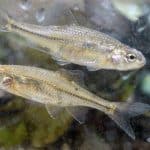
column 58, row 90
column 77, row 44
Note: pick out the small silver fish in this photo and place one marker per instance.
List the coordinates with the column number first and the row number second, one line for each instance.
column 78, row 45
column 57, row 90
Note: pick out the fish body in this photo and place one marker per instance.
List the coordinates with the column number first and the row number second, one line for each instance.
column 57, row 89
column 42, row 85
column 78, row 45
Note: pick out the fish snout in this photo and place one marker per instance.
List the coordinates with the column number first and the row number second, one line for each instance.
column 141, row 58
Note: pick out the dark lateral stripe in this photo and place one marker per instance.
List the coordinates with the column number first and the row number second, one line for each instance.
column 74, row 95
column 62, row 90
column 40, row 35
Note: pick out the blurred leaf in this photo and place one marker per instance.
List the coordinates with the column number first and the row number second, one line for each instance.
column 14, row 135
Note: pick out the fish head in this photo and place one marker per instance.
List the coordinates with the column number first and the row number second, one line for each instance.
column 127, row 58
column 20, row 85
column 11, row 82
column 6, row 81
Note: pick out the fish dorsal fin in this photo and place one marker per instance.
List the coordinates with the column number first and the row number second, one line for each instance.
column 54, row 111
column 74, row 19
column 71, row 17
column 78, row 17
column 73, row 75
column 78, row 113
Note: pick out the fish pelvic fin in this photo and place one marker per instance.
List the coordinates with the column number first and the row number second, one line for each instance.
column 124, row 111
column 5, row 21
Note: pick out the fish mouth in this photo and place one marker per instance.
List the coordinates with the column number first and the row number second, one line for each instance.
column 143, row 62
column 142, row 59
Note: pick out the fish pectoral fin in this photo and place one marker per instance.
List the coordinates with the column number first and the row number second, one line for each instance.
column 92, row 69
column 78, row 113
column 54, row 111
column 62, row 62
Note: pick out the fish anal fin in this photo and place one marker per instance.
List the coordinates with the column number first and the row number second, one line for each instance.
column 54, row 111
column 78, row 113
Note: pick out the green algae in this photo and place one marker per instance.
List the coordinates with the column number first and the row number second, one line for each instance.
column 42, row 128
column 34, row 125
column 13, row 135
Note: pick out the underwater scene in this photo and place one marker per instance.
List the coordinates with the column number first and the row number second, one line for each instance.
column 75, row 74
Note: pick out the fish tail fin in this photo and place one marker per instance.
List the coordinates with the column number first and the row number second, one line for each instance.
column 124, row 111
column 5, row 21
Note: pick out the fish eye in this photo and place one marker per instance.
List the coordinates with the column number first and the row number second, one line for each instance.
column 7, row 81
column 131, row 57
